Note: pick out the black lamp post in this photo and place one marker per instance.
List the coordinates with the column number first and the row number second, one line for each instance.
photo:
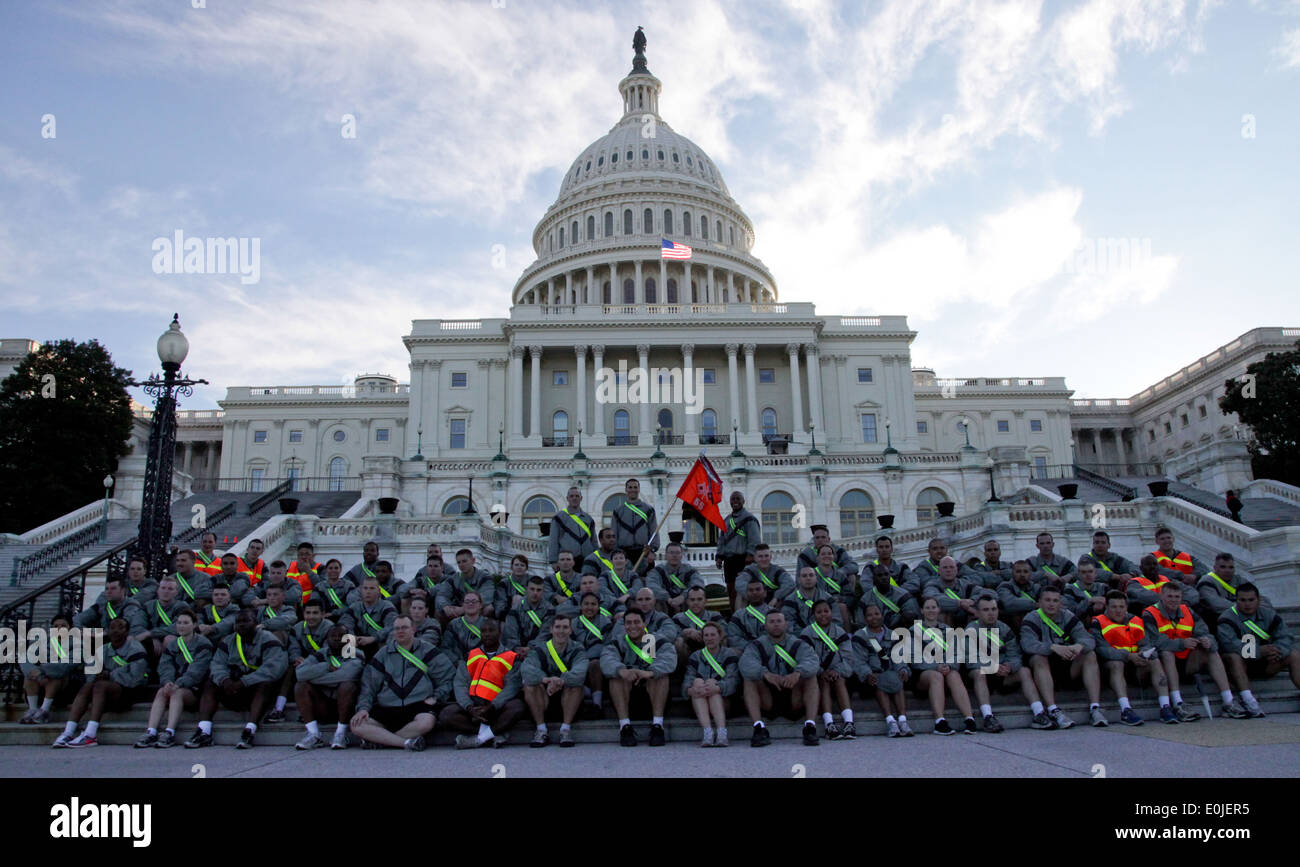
column 993, row 491
column 156, row 511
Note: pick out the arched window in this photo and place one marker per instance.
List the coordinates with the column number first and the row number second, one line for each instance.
column 561, row 236
column 591, row 228
column 661, row 154
column 856, row 514
column 338, row 469
column 535, row 510
column 686, row 223
column 668, row 219
column 629, row 291
column 672, row 291
column 778, row 512
column 708, row 427
column 609, row 223
column 769, row 423
column 648, row 222
column 695, row 293
column 704, row 228
column 666, row 423
column 573, row 235
column 560, row 427
column 731, row 233
column 621, row 435
column 651, row 296
column 926, row 512
column 607, row 511
column 717, row 234
column 645, row 153
column 455, row 506
column 606, row 294
column 627, row 221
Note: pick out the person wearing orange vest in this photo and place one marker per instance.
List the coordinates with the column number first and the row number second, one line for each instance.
column 303, row 570
column 1255, row 643
column 486, row 687
column 1144, row 590
column 251, row 564
column 206, row 559
column 1185, row 645
column 1122, row 643
column 1178, row 565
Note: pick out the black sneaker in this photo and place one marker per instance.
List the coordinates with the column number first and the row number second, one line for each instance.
column 833, row 731
column 1042, row 721
column 540, row 739
column 992, row 725
column 200, row 738
column 245, row 740
column 968, row 727
column 146, row 740
column 275, row 716
column 657, row 738
column 166, row 740
column 761, row 737
column 627, row 737
column 810, row 738
column 415, row 744
column 848, row 732
column 942, row 728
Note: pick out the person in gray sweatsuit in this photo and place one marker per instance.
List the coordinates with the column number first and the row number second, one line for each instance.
column 43, row 681
column 778, row 582
column 217, row 618
column 555, row 674
column 672, row 578
column 747, row 624
column 401, row 689
column 898, row 606
column 637, row 657
column 246, row 669
column 875, row 669
column 1218, row 588
column 712, row 678
column 328, row 682
column 1272, row 648
column 1019, row 596
column 368, row 617
column 831, row 644
column 123, row 668
column 182, row 671
column 572, row 530
column 780, row 677
column 450, row 601
column 1056, row 644
column 112, row 604
column 1010, row 670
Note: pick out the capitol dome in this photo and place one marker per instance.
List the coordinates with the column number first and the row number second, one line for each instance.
column 629, row 190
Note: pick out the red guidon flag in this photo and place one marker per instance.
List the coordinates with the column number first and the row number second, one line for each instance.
column 702, row 491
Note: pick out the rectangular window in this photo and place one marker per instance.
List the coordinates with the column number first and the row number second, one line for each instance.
column 767, row 374
column 257, row 479
column 1202, row 411
column 1004, row 426
column 1183, row 417
column 459, row 380
column 259, row 436
column 1151, row 435
column 458, row 433
column 710, row 376
column 868, row 427
column 559, row 377
column 1040, row 468
column 1169, row 428
column 923, row 427
column 1036, row 425
column 864, row 374
column 295, row 436
column 381, row 435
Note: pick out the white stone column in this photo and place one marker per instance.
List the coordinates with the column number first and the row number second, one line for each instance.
column 580, row 351
column 662, row 293
column 550, row 291
column 1096, row 444
column 535, row 393
column 568, row 287
column 434, row 383
column 593, row 295
column 189, row 459
column 1119, row 445
column 688, row 378
column 643, row 360
column 733, row 385
column 416, row 406
column 731, row 286
column 815, row 388
column 598, row 408
column 686, row 287
column 516, row 395
column 796, row 393
column 638, row 290
column 715, row 297
column 751, row 390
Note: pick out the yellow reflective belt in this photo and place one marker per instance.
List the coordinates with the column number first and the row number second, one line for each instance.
column 645, row 657
column 1050, row 571
column 930, row 632
column 185, row 651
column 119, row 660
column 365, row 615
column 335, row 661
column 993, row 635
column 1250, row 624
column 691, row 616
column 784, row 654
column 1101, row 564
column 821, row 633
column 1051, row 624
column 579, row 522
column 763, row 577
column 477, row 633
column 1084, row 590
column 829, row 581
column 564, row 588
column 713, row 663
column 185, row 585
column 334, row 597
column 58, row 648
column 384, row 593
column 559, row 663
column 412, row 658
column 673, row 577
column 644, row 516
column 112, row 615
column 885, row 599
column 582, row 618
column 216, row 616
column 612, row 573
column 1232, row 591
column 756, row 614
column 310, row 640
column 951, row 595
column 532, row 615
column 368, row 573
column 162, row 614
column 239, row 645
column 799, row 596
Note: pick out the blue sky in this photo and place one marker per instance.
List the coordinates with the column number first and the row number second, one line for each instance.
column 942, row 160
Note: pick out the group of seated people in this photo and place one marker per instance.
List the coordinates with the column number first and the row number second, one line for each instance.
column 386, row 661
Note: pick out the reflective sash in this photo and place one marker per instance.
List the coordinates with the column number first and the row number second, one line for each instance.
column 216, row 615
column 992, row 633
column 162, row 614
column 112, row 615
column 830, row 582
column 1051, row 624
column 564, row 588
column 412, row 658
column 950, row 594
column 925, row 630
column 762, row 576
column 310, row 639
column 821, row 633
column 1251, row 625
column 185, row 585
column 134, row 590
column 1084, row 590
column 1050, row 571
column 367, row 572
column 58, row 648
column 799, row 596
column 713, row 663
column 579, row 522
column 119, row 660
column 785, row 655
column 550, row 647
column 335, row 661
column 266, row 612
column 515, row 584
column 1232, row 591
column 370, row 621
column 1025, row 595
column 334, row 597
column 532, row 615
column 756, row 614
column 605, row 611
column 612, row 573
column 644, row 516
column 474, row 630
column 645, row 657
column 731, row 523
column 885, row 599
column 185, row 651
column 582, row 618
column 673, row 578
column 384, row 593
column 1101, row 564
column 239, row 646
column 691, row 616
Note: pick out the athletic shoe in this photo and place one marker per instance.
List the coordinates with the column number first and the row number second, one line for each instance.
column 706, row 740
column 146, row 740
column 968, row 726
column 500, row 741
column 371, row 745
column 657, row 736
column 1042, row 722
column 942, row 728
column 339, row 741
column 309, row 742
column 245, row 740
column 1235, row 709
column 1185, row 715
column 761, row 737
column 833, row 731
column 42, row 716
column 540, row 739
column 848, row 732
column 1253, row 710
column 29, row 718
column 892, row 730
column 415, row 744
column 82, row 740
column 906, row 729
column 166, row 740
column 992, row 725
column 62, row 741
column 1168, row 716
column 810, row 738
column 1059, row 717
column 1129, row 717
column 627, row 736
column 200, row 738
column 467, row 742
column 1097, row 718
column 274, row 717
column 720, row 738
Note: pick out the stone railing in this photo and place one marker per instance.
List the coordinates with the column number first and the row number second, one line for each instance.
column 72, row 522
column 1271, row 488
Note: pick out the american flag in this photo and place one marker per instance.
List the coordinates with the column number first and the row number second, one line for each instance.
column 673, row 250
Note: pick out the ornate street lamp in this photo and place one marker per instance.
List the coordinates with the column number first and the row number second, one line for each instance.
column 156, row 511
column 993, row 491
column 103, row 525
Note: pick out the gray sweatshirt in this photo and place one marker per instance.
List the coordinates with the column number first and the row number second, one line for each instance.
column 761, row 657
column 1037, row 637
column 453, row 590
column 668, row 582
column 776, row 579
column 660, row 655
column 99, row 615
column 540, row 663
column 574, row 532
column 365, row 622
column 393, row 679
column 743, row 534
column 127, row 666
column 633, row 520
column 839, row 659
column 1234, row 627
column 263, row 659
column 187, row 672
column 698, row 667
column 323, row 668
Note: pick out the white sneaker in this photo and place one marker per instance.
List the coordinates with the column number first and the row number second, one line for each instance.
column 309, row 742
column 29, row 717
column 720, row 738
column 339, row 741
column 82, row 740
column 42, row 716
column 892, row 730
column 63, row 740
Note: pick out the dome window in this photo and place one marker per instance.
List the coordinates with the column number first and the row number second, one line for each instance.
column 688, row 161
column 661, row 155
column 630, row 156
column 676, row 158
column 613, row 158
column 588, row 168
column 645, row 153
column 600, row 162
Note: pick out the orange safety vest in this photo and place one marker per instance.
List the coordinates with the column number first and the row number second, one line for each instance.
column 1122, row 636
column 1182, row 561
column 304, row 579
column 1182, row 628
column 1153, row 586
column 487, row 674
column 212, row 568
column 254, row 575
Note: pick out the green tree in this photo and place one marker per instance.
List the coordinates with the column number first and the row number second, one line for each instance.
column 64, row 421
column 1268, row 399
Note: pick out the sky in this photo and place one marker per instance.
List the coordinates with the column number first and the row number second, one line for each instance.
column 1102, row 190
